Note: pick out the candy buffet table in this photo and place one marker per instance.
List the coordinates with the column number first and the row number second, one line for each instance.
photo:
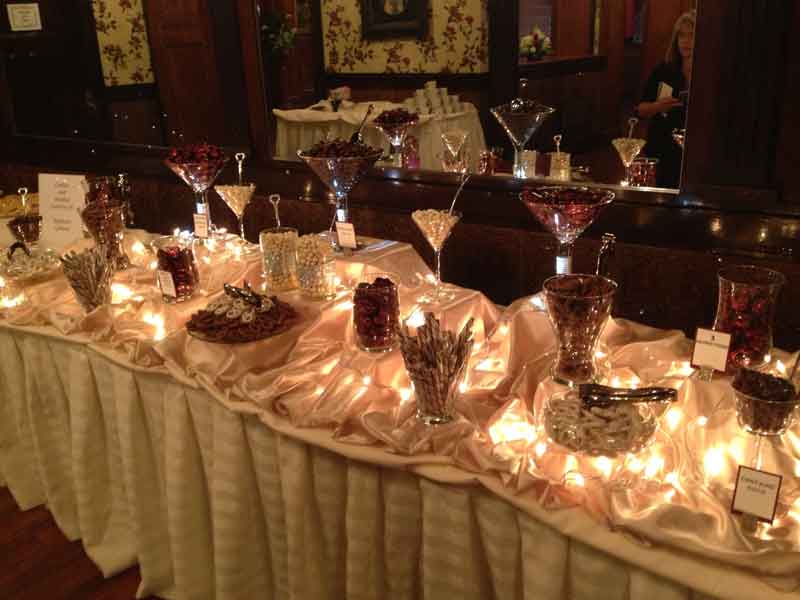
column 300, row 129
column 294, row 468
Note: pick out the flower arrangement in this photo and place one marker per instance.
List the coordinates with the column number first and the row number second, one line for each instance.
column 277, row 33
column 536, row 45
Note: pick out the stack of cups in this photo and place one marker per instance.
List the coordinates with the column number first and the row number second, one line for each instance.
column 421, row 101
column 434, row 100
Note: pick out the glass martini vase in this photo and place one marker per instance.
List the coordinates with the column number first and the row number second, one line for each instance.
column 628, row 149
column 340, row 174
column 199, row 176
column 436, row 226
column 454, row 140
column 520, row 119
column 565, row 211
column 237, row 197
column 396, row 135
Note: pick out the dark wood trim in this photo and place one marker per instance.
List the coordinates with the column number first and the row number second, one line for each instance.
column 226, row 24
column 261, row 130
column 734, row 115
column 131, row 92
column 559, row 66
column 7, row 119
column 503, row 60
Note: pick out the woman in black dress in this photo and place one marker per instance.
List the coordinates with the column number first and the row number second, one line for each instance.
column 667, row 111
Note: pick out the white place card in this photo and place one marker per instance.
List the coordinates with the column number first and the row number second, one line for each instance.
column 24, row 17
column 166, row 283
column 200, row 225
column 61, row 198
column 756, row 493
column 346, row 233
column 711, row 349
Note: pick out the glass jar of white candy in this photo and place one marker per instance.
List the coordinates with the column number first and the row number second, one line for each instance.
column 278, row 250
column 316, row 268
column 610, row 431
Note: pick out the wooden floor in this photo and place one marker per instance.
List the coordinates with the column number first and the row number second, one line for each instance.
column 38, row 563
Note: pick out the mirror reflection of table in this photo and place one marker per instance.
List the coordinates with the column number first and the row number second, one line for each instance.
column 301, row 128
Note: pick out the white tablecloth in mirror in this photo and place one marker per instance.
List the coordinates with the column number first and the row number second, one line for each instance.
column 300, row 129
column 218, row 471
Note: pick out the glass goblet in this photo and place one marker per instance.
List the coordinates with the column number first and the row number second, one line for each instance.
column 628, row 149
column 520, row 119
column 565, row 211
column 436, row 226
column 199, row 176
column 237, row 197
column 340, row 174
column 106, row 224
column 395, row 130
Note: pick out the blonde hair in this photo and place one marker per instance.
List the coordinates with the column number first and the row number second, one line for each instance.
column 673, row 56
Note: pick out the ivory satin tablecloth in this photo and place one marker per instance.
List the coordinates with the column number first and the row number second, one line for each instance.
column 300, row 129
column 293, row 468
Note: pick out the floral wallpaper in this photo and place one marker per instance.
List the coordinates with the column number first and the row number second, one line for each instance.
column 122, row 37
column 457, row 42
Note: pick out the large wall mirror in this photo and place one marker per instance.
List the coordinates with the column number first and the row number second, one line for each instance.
column 597, row 63
column 259, row 74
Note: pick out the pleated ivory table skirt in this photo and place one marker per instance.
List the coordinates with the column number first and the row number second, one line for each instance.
column 214, row 503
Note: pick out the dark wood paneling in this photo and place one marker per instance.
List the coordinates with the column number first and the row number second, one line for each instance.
column 184, row 58
column 136, row 121
column 738, row 79
column 261, row 131
column 787, row 154
column 572, row 27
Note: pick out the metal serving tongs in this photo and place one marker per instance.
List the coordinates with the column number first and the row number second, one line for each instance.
column 592, row 394
column 246, row 293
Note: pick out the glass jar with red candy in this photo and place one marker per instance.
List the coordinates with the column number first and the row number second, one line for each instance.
column 746, row 310
column 376, row 313
column 176, row 273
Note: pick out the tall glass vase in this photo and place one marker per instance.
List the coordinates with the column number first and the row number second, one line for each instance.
column 578, row 307
column 746, row 310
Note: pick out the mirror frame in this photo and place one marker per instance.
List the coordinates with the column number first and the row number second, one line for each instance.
column 722, row 169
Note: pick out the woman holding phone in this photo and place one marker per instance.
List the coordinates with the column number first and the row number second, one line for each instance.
column 664, row 101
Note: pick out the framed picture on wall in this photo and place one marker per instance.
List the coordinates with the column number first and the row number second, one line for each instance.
column 387, row 19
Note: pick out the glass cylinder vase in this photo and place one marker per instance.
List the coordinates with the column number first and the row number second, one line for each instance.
column 278, row 248
column 436, row 403
column 376, row 312
column 746, row 310
column 316, row 268
column 177, row 274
